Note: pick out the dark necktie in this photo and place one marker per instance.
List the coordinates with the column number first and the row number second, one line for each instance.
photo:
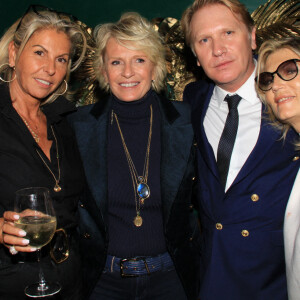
column 228, row 137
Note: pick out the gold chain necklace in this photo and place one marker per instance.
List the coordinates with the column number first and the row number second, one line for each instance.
column 139, row 183
column 57, row 187
column 35, row 135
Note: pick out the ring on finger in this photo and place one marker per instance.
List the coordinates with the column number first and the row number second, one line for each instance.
column 13, row 250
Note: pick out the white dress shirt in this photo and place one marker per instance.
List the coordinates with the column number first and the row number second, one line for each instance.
column 291, row 234
column 249, row 124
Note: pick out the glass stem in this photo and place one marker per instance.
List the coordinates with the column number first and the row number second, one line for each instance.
column 42, row 283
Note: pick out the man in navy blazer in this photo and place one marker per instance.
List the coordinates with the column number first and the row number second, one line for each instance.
column 242, row 220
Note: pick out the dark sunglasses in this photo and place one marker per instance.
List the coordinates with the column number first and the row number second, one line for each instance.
column 287, row 71
column 39, row 9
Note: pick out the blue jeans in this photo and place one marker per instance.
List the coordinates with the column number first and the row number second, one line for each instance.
column 161, row 285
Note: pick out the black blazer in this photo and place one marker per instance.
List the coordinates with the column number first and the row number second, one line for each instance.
column 177, row 174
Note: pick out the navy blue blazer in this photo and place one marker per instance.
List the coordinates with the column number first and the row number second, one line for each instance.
column 177, row 173
column 242, row 240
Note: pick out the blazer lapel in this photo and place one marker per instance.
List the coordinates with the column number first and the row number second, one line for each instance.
column 267, row 137
column 177, row 140
column 91, row 135
column 198, row 116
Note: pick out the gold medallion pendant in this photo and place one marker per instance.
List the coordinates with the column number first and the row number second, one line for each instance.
column 57, row 188
column 138, row 221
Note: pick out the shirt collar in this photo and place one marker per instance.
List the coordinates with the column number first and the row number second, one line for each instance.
column 246, row 91
column 57, row 109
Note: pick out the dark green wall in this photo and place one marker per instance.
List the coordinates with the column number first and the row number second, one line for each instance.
column 93, row 12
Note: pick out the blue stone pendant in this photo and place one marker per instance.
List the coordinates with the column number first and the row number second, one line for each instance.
column 143, row 190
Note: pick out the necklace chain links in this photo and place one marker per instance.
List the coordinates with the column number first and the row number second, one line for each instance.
column 33, row 133
column 57, row 187
column 140, row 186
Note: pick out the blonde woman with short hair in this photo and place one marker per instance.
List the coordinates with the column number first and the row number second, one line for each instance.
column 141, row 232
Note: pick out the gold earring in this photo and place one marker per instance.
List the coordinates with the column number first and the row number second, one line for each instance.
column 153, row 83
column 64, row 90
column 9, row 67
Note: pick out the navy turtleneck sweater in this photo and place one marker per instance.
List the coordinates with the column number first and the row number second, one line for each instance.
column 125, row 239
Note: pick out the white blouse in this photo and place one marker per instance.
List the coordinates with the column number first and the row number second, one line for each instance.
column 292, row 241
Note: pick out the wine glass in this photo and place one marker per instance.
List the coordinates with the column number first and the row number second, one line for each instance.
column 37, row 219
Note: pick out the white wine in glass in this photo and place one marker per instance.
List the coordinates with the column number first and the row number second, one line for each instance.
column 38, row 220
column 39, row 229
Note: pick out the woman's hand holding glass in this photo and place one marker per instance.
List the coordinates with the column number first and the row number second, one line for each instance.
column 13, row 237
column 36, row 217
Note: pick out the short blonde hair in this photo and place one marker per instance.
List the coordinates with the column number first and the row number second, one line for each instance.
column 267, row 48
column 22, row 30
column 136, row 33
column 234, row 5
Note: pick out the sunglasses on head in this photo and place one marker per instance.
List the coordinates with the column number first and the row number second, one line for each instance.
column 59, row 246
column 287, row 71
column 39, row 9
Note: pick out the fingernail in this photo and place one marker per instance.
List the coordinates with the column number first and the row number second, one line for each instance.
column 25, row 242
column 22, row 233
column 33, row 249
column 16, row 217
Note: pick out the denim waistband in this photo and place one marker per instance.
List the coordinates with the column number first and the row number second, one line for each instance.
column 140, row 265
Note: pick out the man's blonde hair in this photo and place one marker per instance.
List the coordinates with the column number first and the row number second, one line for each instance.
column 234, row 5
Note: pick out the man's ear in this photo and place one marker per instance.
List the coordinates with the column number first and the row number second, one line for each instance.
column 198, row 62
column 253, row 38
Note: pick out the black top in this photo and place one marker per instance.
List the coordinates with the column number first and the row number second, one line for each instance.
column 22, row 167
column 125, row 239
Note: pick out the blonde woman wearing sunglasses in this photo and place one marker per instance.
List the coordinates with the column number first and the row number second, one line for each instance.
column 278, row 85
